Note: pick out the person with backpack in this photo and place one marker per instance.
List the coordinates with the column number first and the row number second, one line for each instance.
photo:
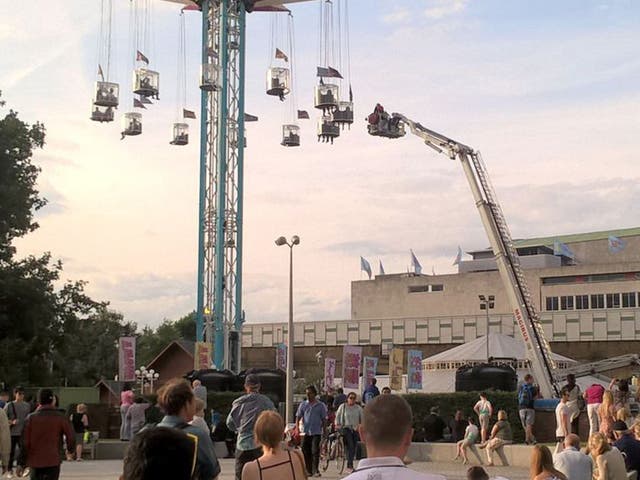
column 527, row 392
column 370, row 392
column 17, row 411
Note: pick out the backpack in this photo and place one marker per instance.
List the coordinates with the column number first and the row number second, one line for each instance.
column 525, row 396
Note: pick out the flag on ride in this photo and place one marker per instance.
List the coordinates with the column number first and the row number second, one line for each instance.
column 616, row 244
column 100, row 72
column 395, row 369
column 190, row 7
column 141, row 57
column 458, row 257
column 303, row 114
column 250, row 118
column 369, row 370
column 281, row 356
column 202, row 356
column 365, row 266
column 127, row 359
column 350, row 94
column 138, row 104
column 328, row 72
column 280, row 54
column 329, row 371
column 145, row 100
column 417, row 268
column 351, row 362
column 414, row 369
column 333, row 73
column 381, row 268
column 188, row 113
column 560, row 248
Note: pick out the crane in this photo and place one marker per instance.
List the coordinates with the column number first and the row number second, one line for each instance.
column 381, row 124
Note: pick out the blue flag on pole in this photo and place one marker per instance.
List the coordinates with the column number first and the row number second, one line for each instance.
column 417, row 268
column 616, row 244
column 365, row 266
column 458, row 256
column 414, row 369
column 381, row 268
column 560, row 248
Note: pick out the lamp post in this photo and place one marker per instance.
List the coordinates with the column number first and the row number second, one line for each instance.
column 487, row 303
column 295, row 240
column 146, row 376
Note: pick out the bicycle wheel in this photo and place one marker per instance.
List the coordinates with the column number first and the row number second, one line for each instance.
column 340, row 454
column 324, row 454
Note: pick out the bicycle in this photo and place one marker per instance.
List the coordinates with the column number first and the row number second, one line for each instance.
column 332, row 448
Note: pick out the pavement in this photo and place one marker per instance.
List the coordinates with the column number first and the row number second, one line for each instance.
column 111, row 470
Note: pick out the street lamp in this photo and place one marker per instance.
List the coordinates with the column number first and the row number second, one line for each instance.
column 295, row 240
column 487, row 303
column 146, row 376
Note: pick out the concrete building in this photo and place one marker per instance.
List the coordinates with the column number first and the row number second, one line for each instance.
column 587, row 295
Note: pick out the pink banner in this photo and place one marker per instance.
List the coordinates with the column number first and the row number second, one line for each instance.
column 202, row 356
column 329, row 372
column 281, row 356
column 127, row 359
column 370, row 368
column 351, row 362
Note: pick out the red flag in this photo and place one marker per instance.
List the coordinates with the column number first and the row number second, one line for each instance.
column 250, row 118
column 138, row 104
column 334, row 73
column 282, row 55
column 303, row 114
column 140, row 57
column 190, row 7
column 188, row 113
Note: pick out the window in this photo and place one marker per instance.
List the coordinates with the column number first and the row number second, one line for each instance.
column 566, row 302
column 613, row 300
column 597, row 300
column 629, row 300
column 552, row 303
column 582, row 302
column 418, row 288
column 437, row 288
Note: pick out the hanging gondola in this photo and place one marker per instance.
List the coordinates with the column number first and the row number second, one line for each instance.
column 101, row 114
column 278, row 82
column 290, row 136
column 146, row 83
column 131, row 124
column 326, row 96
column 106, row 94
column 210, row 77
column 327, row 129
column 180, row 134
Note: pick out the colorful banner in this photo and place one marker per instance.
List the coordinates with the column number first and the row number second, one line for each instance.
column 281, row 356
column 127, row 359
column 329, row 372
column 202, row 356
column 395, row 369
column 369, row 369
column 414, row 369
column 351, row 362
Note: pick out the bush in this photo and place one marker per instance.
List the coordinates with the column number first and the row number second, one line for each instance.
column 448, row 403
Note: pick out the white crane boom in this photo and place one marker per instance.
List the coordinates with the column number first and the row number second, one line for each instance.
column 495, row 225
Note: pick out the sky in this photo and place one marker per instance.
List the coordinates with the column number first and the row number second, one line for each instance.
column 548, row 91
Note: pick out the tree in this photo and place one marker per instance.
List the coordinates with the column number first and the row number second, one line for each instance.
column 151, row 342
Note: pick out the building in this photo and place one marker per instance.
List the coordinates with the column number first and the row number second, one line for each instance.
column 586, row 289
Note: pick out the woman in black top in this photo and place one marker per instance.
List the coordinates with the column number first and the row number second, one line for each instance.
column 80, row 422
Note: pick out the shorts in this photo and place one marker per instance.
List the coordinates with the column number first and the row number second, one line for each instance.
column 527, row 416
column 484, row 421
column 79, row 438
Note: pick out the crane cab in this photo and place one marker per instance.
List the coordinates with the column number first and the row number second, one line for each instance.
column 180, row 134
column 101, row 114
column 327, row 130
column 278, row 82
column 326, row 97
column 290, row 136
column 132, row 123
column 106, row 94
column 381, row 124
column 343, row 114
column 209, row 77
column 146, row 82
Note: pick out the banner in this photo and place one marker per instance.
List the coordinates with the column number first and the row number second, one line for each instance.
column 329, row 372
column 395, row 369
column 351, row 361
column 202, row 356
column 369, row 369
column 414, row 369
column 127, row 359
column 281, row 356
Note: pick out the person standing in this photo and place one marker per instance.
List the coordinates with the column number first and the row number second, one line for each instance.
column 348, row 420
column 387, row 432
column 200, row 391
column 339, row 399
column 457, row 426
column 569, row 460
column 43, row 432
column 314, row 415
column 434, row 426
column 135, row 417
column 563, row 417
column 126, row 400
column 5, row 441
column 242, row 419
column 526, row 395
column 593, row 398
column 572, row 403
column 370, row 392
column 4, row 398
column 17, row 411
column 606, row 415
column 79, row 422
column 484, row 410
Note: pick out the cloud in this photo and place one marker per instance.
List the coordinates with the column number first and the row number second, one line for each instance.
column 398, row 15
column 438, row 9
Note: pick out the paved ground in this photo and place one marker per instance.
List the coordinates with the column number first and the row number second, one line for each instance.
column 111, row 469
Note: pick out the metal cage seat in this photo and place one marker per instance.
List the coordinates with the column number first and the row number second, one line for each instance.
column 146, row 82
column 101, row 114
column 278, row 82
column 180, row 134
column 381, row 124
column 343, row 114
column 132, row 123
column 326, row 97
column 327, row 130
column 290, row 136
column 106, row 94
column 209, row 77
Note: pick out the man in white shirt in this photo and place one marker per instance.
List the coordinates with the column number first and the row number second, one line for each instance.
column 563, row 417
column 386, row 430
column 571, row 461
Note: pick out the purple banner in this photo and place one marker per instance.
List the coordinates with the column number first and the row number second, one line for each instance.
column 351, row 361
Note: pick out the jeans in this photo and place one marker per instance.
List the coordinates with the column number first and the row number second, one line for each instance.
column 46, row 473
column 245, row 456
column 594, row 420
column 15, row 443
column 125, row 430
column 311, row 452
column 351, row 439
